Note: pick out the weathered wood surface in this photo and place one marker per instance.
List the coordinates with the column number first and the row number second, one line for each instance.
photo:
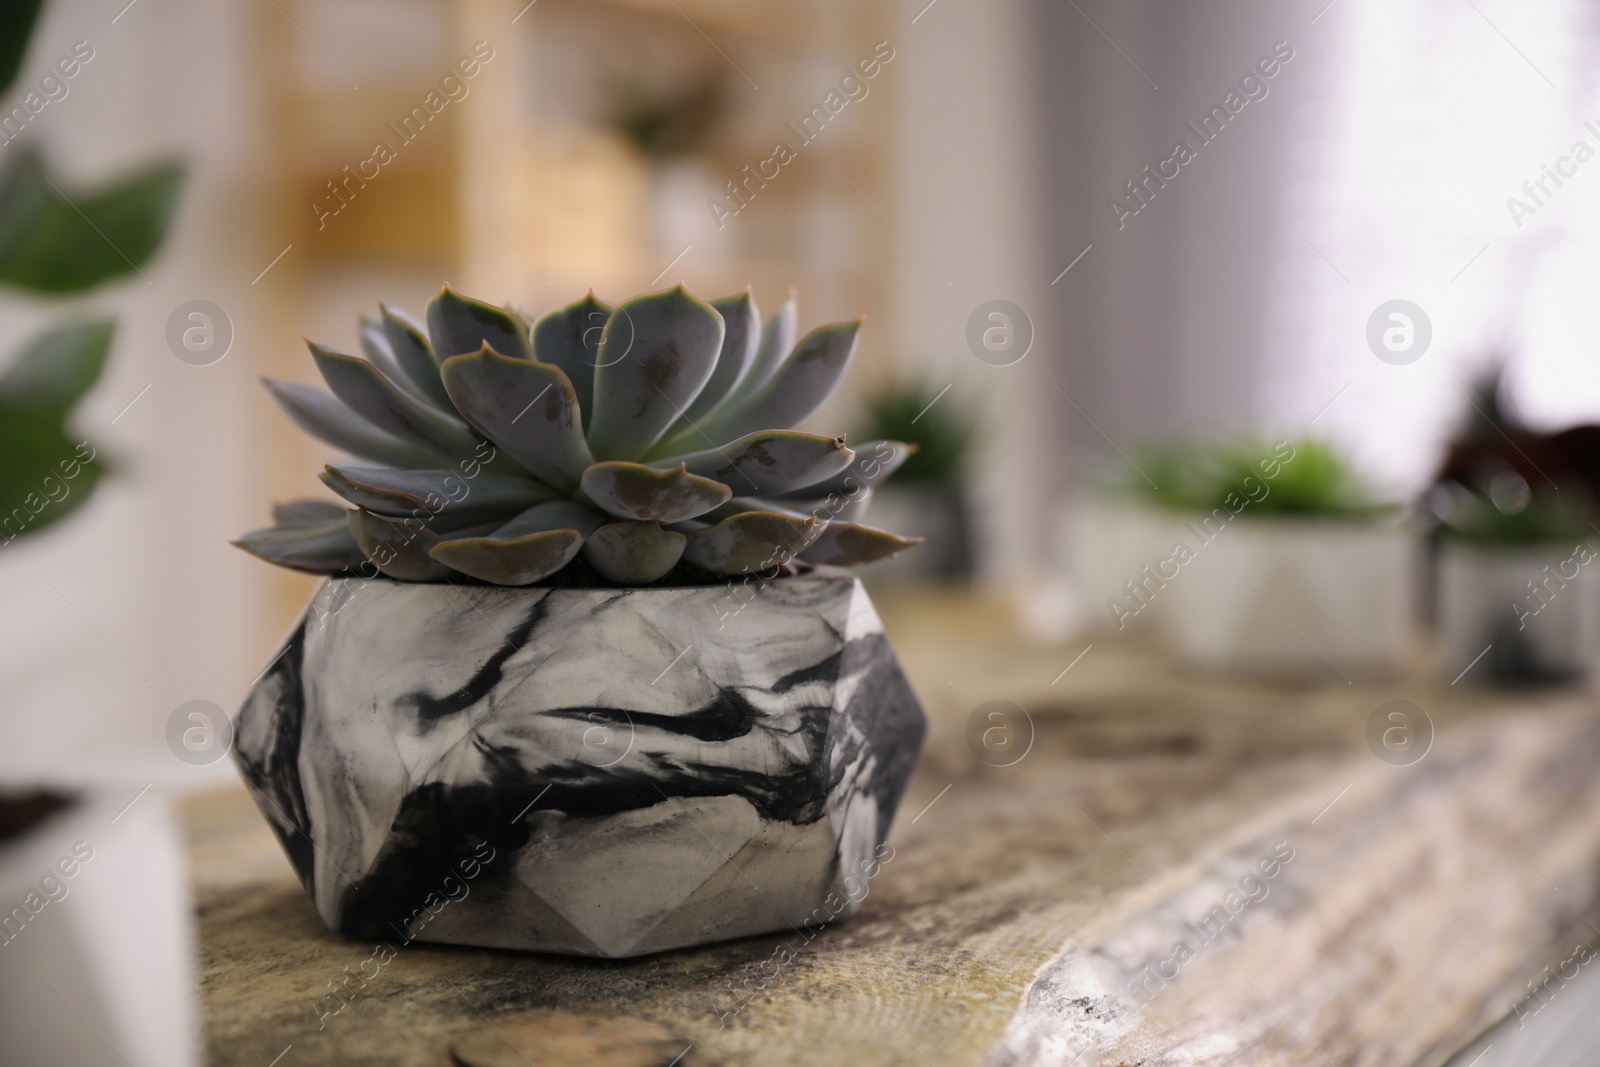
column 1020, row 901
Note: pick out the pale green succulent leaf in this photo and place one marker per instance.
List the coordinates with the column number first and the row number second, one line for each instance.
column 363, row 389
column 448, row 495
column 741, row 335
column 379, row 352
column 57, row 367
column 770, row 461
column 634, row 491
column 874, row 462
column 633, row 553
column 553, row 515
column 458, row 324
column 413, row 353
column 656, row 354
column 799, row 386
column 777, row 341
column 398, row 549
column 325, row 547
column 569, row 337
column 323, row 416
column 749, row 542
column 835, row 507
column 510, row 561
column 307, row 513
column 846, row 544
column 740, row 504
column 531, row 546
column 528, row 409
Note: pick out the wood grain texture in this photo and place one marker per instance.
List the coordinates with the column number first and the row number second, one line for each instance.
column 1414, row 909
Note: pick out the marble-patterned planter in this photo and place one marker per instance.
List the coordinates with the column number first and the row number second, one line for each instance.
column 606, row 772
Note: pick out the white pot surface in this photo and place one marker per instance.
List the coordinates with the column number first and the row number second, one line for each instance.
column 97, row 965
column 1291, row 595
column 1491, row 620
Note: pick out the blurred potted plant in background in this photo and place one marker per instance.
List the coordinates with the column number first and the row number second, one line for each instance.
column 1514, row 538
column 929, row 491
column 668, row 122
column 59, row 240
column 1284, row 559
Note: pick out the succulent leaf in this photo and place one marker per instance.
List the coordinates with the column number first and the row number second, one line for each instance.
column 681, row 394
column 512, row 560
column 741, row 335
column 656, row 354
column 750, row 541
column 798, row 387
column 569, row 337
column 771, row 461
column 458, row 324
column 632, row 553
column 528, row 409
column 369, row 394
column 413, row 353
column 322, row 415
column 325, row 547
column 777, row 341
column 307, row 513
column 555, row 515
column 380, row 353
column 846, row 544
column 874, row 462
column 449, row 495
column 532, row 546
column 399, row 549
column 634, row 491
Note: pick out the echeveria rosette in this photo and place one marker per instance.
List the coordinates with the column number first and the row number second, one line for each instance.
column 639, row 437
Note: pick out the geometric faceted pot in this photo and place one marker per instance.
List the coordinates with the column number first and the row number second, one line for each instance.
column 598, row 771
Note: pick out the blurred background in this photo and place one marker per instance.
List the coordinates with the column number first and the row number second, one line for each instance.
column 987, row 156
column 1053, row 291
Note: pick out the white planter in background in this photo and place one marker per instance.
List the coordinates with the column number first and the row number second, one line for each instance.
column 1524, row 636
column 101, row 969
column 1282, row 595
column 1109, row 541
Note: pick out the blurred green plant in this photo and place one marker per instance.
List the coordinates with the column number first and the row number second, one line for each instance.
column 940, row 429
column 1299, row 478
column 59, row 240
column 667, row 122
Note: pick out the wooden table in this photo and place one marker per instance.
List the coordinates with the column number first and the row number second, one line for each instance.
column 1333, row 908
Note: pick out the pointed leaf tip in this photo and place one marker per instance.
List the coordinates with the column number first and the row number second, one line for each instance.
column 458, row 324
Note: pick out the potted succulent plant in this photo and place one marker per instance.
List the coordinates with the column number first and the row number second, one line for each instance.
column 1284, row 561
column 583, row 677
